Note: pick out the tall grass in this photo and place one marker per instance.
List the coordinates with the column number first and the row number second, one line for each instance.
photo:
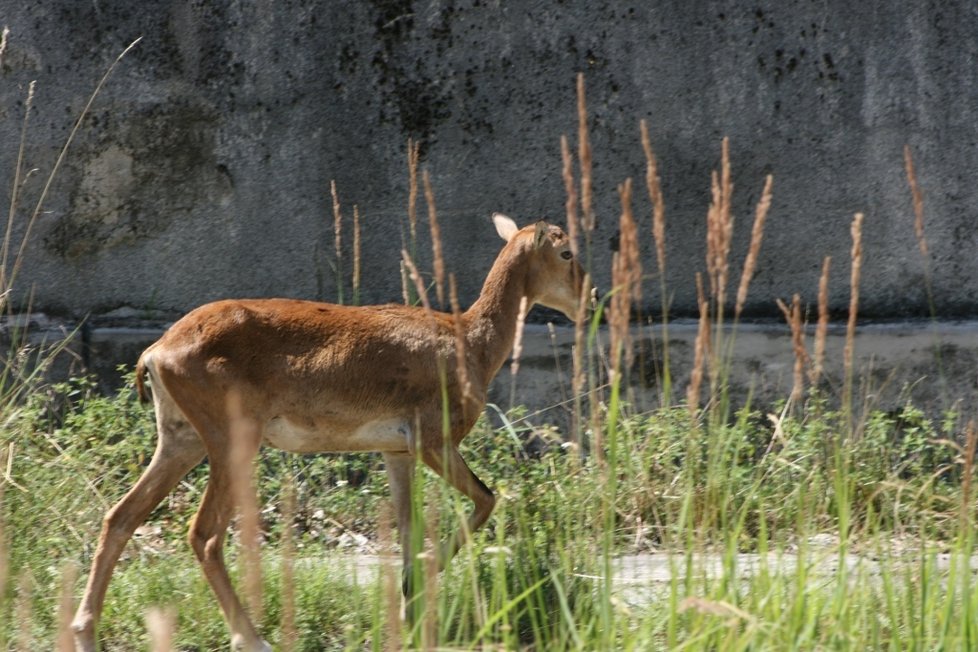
column 697, row 524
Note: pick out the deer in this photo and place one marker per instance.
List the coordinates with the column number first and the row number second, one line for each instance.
column 317, row 377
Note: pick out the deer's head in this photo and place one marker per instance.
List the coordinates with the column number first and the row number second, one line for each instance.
column 554, row 276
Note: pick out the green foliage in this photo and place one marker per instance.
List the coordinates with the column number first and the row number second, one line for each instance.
column 537, row 575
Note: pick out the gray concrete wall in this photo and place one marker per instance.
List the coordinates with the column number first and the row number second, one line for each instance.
column 203, row 170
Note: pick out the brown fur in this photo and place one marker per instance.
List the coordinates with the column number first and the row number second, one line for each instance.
column 316, row 377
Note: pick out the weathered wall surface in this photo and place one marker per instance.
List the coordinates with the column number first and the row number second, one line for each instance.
column 204, row 168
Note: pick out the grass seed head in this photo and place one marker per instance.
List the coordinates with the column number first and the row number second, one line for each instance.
column 436, row 250
column 654, row 187
column 584, row 156
column 756, row 236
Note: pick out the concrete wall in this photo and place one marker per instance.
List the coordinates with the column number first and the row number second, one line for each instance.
column 203, row 170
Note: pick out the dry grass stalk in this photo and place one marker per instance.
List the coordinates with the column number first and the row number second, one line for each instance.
column 756, row 235
column 414, row 150
column 39, row 205
column 577, row 386
column 577, row 360
column 65, row 641
column 23, row 637
column 289, row 636
column 822, row 329
column 971, row 443
column 412, row 272
column 654, row 186
column 856, row 255
column 571, row 204
column 793, row 317
column 719, row 231
column 356, row 254
column 429, row 559
column 5, row 280
column 244, row 445
column 461, row 365
column 584, row 156
column 405, row 294
column 415, row 276
column 918, row 201
column 514, row 366
column 438, row 260
column 337, row 238
column 3, row 42
column 701, row 350
column 626, row 279
column 392, row 596
column 161, row 625
column 4, row 554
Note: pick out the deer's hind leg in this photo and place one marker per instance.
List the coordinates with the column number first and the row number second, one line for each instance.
column 232, row 443
column 178, row 449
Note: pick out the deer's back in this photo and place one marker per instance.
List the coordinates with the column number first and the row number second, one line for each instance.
column 290, row 352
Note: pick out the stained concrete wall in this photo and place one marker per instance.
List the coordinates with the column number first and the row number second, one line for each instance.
column 203, row 169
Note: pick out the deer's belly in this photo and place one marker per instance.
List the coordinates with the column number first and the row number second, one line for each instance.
column 384, row 435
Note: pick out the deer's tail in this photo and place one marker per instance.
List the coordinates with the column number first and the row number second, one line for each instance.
column 141, row 389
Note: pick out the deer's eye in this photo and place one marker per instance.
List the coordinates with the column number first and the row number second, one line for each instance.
column 566, row 255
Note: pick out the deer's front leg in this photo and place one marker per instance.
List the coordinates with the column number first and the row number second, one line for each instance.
column 448, row 463
column 400, row 474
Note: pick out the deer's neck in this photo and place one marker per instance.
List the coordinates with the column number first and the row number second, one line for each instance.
column 491, row 321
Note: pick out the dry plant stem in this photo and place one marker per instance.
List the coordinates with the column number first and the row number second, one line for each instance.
column 289, row 636
column 405, row 294
column 822, row 329
column 793, row 317
column 414, row 150
column 337, row 240
column 18, row 261
column 971, row 443
column 415, row 277
column 14, row 194
column 437, row 260
column 626, row 279
column 356, row 254
column 245, row 439
column 577, row 382
column 570, row 206
column 654, row 187
column 917, row 197
column 423, row 295
column 514, row 367
column 4, row 557
column 856, row 255
column 719, row 234
column 584, row 156
column 461, row 368
column 429, row 634
column 66, row 639
column 756, row 236
column 720, row 231
column 392, row 594
column 3, row 42
column 701, row 350
column 918, row 202
column 161, row 624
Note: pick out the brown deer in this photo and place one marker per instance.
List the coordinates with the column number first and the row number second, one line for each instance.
column 317, row 377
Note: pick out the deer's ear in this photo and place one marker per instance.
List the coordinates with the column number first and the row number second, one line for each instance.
column 505, row 227
column 540, row 234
